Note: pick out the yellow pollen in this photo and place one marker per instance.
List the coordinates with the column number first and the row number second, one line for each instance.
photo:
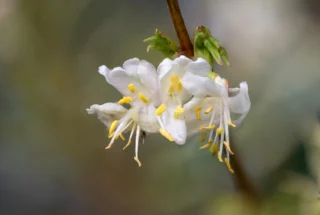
column 206, row 145
column 214, row 149
column 112, row 127
column 132, row 88
column 231, row 124
column 210, row 127
column 178, row 112
column 228, row 165
column 138, row 161
column 160, row 109
column 179, row 86
column 219, row 130
column 166, row 134
column 143, row 98
column 203, row 137
column 111, row 135
column 220, row 157
column 125, row 100
column 198, row 112
column 226, row 144
column 126, row 146
column 174, row 79
column 208, row 110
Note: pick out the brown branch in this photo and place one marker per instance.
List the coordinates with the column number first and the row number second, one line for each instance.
column 186, row 47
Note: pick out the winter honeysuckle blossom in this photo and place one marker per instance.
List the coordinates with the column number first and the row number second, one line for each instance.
column 179, row 99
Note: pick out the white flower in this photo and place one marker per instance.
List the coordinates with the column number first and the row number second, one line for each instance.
column 139, row 84
column 173, row 95
column 215, row 103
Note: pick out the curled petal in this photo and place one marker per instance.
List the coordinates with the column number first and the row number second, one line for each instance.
column 107, row 112
column 239, row 101
column 201, row 86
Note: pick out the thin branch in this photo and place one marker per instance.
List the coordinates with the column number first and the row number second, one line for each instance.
column 186, row 47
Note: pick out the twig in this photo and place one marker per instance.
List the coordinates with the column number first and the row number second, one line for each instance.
column 186, row 47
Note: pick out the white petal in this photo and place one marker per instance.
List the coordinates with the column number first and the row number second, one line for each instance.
column 108, row 112
column 199, row 67
column 118, row 78
column 201, row 86
column 182, row 61
column 164, row 67
column 176, row 127
column 240, row 102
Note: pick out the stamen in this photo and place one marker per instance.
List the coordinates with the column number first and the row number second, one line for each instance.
column 203, row 137
column 206, row 145
column 171, row 89
column 228, row 165
column 125, row 100
column 122, row 137
column 131, row 134
column 164, row 133
column 137, row 146
column 178, row 112
column 143, row 98
column 219, row 130
column 220, row 157
column 179, row 86
column 208, row 110
column 214, row 148
column 160, row 109
column 231, row 124
column 198, row 112
column 210, row 127
column 112, row 127
column 132, row 88
column 226, row 144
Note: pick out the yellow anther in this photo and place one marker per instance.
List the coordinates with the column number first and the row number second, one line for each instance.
column 126, row 146
column 132, row 88
column 125, row 100
column 175, row 79
column 219, row 130
column 228, row 165
column 208, row 144
column 112, row 127
column 122, row 137
column 198, row 112
column 231, row 124
column 179, row 86
column 214, row 149
column 138, row 161
column 208, row 110
column 143, row 98
column 175, row 85
column 203, row 137
column 171, row 89
column 226, row 144
column 179, row 110
column 210, row 127
column 111, row 135
column 220, row 157
column 166, row 134
column 160, row 109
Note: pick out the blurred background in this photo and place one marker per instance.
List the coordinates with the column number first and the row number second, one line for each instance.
column 52, row 156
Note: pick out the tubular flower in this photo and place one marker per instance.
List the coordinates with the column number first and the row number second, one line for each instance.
column 173, row 94
column 139, row 84
column 216, row 102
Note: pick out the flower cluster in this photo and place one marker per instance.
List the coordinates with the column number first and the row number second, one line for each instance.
column 179, row 99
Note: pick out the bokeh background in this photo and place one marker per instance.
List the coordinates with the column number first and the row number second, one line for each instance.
column 52, row 156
